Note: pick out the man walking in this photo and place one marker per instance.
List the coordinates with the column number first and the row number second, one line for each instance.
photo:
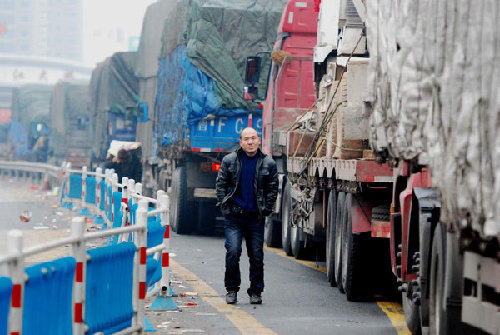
column 247, row 187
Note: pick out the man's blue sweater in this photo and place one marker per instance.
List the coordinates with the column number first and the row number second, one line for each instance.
column 245, row 197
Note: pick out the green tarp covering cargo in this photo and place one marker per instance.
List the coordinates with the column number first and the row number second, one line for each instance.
column 201, row 68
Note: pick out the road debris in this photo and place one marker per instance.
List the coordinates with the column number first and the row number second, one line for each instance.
column 26, row 216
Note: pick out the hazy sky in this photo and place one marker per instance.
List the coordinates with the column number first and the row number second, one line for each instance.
column 108, row 25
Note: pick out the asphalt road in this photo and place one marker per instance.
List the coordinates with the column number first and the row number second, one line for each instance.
column 297, row 298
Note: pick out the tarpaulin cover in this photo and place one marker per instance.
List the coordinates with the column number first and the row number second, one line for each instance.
column 69, row 117
column 5, row 292
column 113, row 88
column 435, row 90
column 202, row 62
column 47, row 297
column 147, row 67
column 109, row 278
column 31, row 103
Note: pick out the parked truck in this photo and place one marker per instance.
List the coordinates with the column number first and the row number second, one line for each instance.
column 198, row 110
column 30, row 119
column 70, row 119
column 114, row 97
column 394, row 166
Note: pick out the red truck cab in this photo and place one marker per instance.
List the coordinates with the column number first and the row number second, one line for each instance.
column 291, row 88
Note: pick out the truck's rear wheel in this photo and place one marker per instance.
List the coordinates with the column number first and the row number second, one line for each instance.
column 285, row 222
column 436, row 307
column 412, row 314
column 330, row 237
column 338, row 240
column 272, row 232
column 296, row 243
column 179, row 212
column 353, row 258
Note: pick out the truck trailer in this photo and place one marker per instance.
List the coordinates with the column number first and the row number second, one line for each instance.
column 198, row 111
column 393, row 167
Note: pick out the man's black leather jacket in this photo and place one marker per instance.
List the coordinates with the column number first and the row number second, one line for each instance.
column 265, row 182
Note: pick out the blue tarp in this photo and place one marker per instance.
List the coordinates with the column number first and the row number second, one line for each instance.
column 47, row 298
column 185, row 96
column 109, row 278
column 5, row 293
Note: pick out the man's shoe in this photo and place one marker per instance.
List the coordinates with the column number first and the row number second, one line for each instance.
column 231, row 297
column 255, row 299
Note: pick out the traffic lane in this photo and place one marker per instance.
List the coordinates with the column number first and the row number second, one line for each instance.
column 20, row 196
column 47, row 221
column 296, row 300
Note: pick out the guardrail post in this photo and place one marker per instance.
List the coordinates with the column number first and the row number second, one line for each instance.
column 114, row 188
column 164, row 202
column 107, row 205
column 138, row 188
column 79, row 252
column 142, row 218
column 98, row 179
column 16, row 270
column 84, row 185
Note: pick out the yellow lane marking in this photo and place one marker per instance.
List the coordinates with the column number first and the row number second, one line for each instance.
column 393, row 310
column 397, row 316
column 309, row 264
column 246, row 323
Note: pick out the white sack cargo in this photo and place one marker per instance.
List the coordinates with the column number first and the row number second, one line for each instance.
column 435, row 90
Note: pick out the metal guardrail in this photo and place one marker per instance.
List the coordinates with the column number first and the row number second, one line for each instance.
column 131, row 193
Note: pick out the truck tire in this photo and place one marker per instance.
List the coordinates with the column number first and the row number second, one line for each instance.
column 354, row 281
column 338, row 240
column 412, row 314
column 296, row 243
column 331, row 217
column 272, row 232
column 285, row 222
column 437, row 323
column 179, row 211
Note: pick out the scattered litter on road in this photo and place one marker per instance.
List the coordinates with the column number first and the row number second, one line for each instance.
column 34, row 187
column 41, row 228
column 191, row 304
column 60, row 213
column 173, row 254
column 26, row 216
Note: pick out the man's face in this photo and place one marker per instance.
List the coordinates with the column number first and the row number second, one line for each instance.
column 250, row 141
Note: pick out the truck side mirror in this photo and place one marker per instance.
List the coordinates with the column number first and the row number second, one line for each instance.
column 252, row 70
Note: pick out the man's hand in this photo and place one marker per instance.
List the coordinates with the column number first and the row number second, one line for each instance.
column 225, row 210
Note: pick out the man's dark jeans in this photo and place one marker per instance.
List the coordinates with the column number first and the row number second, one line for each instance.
column 252, row 229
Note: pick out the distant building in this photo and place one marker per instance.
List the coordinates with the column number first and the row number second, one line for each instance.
column 50, row 28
